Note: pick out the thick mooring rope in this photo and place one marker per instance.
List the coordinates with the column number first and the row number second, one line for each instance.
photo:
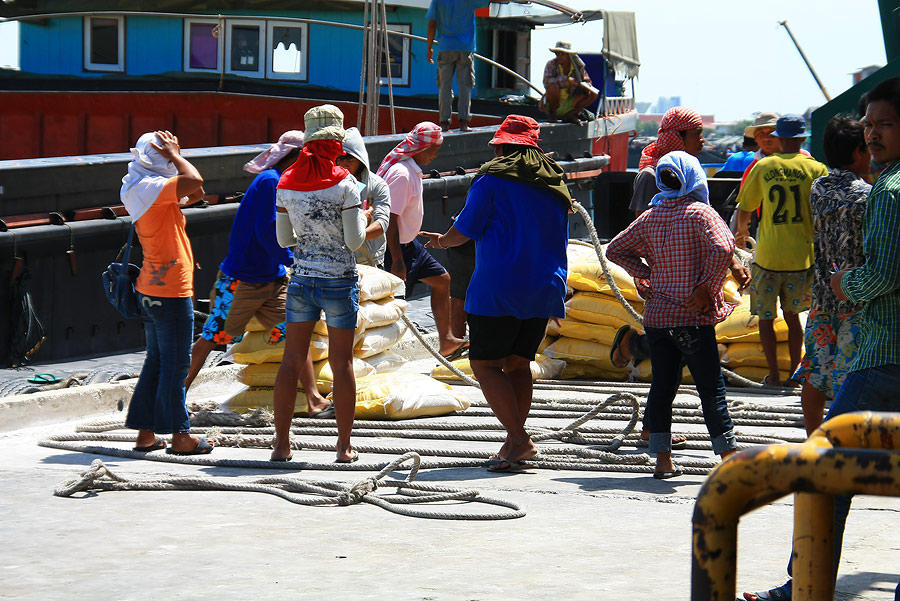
column 311, row 492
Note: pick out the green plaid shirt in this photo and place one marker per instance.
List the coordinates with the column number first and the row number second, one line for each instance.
column 877, row 283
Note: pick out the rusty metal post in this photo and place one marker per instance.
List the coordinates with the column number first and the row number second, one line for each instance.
column 813, row 560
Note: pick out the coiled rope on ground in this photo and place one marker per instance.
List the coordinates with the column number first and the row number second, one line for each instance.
column 407, row 495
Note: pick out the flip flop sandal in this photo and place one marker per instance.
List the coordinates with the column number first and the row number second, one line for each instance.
column 459, row 353
column 666, row 475
column 43, row 379
column 775, row 594
column 353, row 459
column 202, row 448
column 327, row 413
column 617, row 342
column 281, row 459
column 158, row 445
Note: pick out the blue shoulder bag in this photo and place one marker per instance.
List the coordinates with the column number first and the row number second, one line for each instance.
column 118, row 283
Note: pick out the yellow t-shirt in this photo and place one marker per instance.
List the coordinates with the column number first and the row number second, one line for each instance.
column 168, row 267
column 781, row 183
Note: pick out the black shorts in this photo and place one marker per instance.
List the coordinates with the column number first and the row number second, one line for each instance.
column 493, row 338
column 419, row 264
column 460, row 266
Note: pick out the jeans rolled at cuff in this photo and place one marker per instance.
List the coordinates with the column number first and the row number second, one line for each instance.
column 660, row 442
column 724, row 442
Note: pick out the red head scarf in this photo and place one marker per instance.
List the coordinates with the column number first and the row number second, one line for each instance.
column 674, row 121
column 315, row 168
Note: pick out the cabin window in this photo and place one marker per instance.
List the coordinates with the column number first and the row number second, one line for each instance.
column 398, row 51
column 104, row 43
column 244, row 48
column 202, row 44
column 288, row 50
column 511, row 49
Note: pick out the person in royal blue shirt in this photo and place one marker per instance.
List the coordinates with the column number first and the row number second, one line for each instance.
column 517, row 213
column 252, row 280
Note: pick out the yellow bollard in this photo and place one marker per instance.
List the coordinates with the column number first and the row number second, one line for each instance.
column 760, row 475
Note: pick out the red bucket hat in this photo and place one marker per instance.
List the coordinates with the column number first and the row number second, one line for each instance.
column 518, row 129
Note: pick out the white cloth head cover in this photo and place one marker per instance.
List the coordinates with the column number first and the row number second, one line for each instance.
column 147, row 174
column 267, row 159
column 690, row 175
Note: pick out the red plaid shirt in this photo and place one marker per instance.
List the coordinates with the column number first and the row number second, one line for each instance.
column 685, row 245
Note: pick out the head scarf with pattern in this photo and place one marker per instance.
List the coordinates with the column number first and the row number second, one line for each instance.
column 674, row 121
column 422, row 136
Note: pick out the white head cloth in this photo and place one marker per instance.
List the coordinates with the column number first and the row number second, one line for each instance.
column 147, row 174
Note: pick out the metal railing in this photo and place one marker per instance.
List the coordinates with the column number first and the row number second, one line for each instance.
column 854, row 453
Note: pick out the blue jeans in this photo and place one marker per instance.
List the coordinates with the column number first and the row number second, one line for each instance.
column 158, row 400
column 873, row 389
column 696, row 345
column 307, row 297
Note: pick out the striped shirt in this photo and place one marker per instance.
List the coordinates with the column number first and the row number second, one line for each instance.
column 686, row 245
column 877, row 283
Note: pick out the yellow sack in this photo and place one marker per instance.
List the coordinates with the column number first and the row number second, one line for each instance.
column 375, row 284
column 375, row 314
column 377, row 340
column 586, row 275
column 403, row 395
column 264, row 374
column 645, row 373
column 581, row 351
column 592, row 332
column 601, row 309
column 542, row 368
column 585, row 371
column 751, row 354
column 254, row 325
column 254, row 348
column 758, row 374
column 547, row 341
column 262, row 396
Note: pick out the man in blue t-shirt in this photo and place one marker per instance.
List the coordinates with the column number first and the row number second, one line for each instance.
column 517, row 213
column 454, row 23
column 252, row 280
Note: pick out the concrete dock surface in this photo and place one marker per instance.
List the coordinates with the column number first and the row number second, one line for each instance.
column 585, row 535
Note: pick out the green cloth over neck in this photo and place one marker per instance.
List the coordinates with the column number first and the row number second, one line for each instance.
column 530, row 166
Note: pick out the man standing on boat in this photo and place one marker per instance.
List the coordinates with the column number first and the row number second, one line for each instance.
column 454, row 23
column 567, row 85
column 406, row 257
column 783, row 264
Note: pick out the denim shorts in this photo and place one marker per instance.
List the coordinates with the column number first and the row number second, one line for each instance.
column 307, row 297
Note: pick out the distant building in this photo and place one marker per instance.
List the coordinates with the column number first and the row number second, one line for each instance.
column 664, row 104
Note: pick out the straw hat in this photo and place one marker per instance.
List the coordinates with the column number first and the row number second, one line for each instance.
column 563, row 47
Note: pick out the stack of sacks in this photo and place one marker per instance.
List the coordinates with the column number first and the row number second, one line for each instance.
column 744, row 353
column 593, row 315
column 542, row 368
column 379, row 327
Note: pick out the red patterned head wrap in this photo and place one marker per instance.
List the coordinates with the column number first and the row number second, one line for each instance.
column 674, row 121
column 422, row 136
column 315, row 168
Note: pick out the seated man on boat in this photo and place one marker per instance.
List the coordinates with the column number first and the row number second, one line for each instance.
column 567, row 85
column 406, row 258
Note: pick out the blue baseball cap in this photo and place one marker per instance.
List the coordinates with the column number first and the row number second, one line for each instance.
column 790, row 126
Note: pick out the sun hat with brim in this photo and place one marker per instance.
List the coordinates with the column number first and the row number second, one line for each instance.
column 324, row 122
column 762, row 120
column 790, row 126
column 518, row 129
column 563, row 47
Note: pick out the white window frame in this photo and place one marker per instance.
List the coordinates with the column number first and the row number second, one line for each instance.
column 108, row 68
column 187, row 46
column 304, row 51
column 262, row 53
column 403, row 80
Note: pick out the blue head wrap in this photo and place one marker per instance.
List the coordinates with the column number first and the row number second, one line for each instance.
column 689, row 172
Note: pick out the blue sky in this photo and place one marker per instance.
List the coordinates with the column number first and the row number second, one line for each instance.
column 729, row 59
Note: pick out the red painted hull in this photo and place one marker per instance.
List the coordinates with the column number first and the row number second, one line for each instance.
column 49, row 124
